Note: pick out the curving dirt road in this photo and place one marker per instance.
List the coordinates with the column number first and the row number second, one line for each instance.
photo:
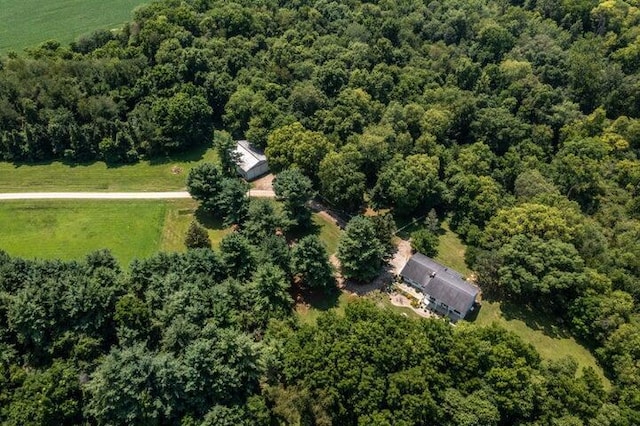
column 260, row 193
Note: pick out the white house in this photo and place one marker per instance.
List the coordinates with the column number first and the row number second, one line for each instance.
column 251, row 162
column 446, row 292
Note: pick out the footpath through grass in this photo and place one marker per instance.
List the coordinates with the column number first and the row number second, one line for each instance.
column 26, row 23
column 164, row 174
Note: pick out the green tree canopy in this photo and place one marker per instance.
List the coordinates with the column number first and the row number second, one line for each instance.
column 310, row 263
column 197, row 236
column 359, row 250
column 409, row 184
column 295, row 190
column 341, row 181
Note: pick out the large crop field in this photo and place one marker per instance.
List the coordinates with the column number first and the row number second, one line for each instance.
column 25, row 23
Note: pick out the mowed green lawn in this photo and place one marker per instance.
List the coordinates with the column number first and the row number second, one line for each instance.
column 451, row 251
column 69, row 229
column 550, row 340
column 26, row 23
column 165, row 174
column 327, row 231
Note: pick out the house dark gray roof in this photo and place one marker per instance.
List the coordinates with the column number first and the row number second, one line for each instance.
column 248, row 156
column 438, row 281
column 420, row 268
column 457, row 293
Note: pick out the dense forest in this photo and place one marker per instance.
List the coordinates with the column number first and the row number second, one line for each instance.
column 519, row 121
column 198, row 339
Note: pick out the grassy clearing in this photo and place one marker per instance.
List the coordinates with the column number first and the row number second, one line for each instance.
column 450, row 248
column 382, row 301
column 164, row 174
column 25, row 23
column 550, row 340
column 69, row 229
column 451, row 251
column 328, row 232
column 308, row 314
column 179, row 215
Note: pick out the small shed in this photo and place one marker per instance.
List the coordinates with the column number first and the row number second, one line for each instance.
column 251, row 162
column 445, row 291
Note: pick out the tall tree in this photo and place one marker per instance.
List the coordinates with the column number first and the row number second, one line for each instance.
column 359, row 250
column 341, row 181
column 271, row 291
column 293, row 145
column 233, row 201
column 409, row 184
column 264, row 218
column 310, row 263
column 295, row 190
column 237, row 255
column 133, row 385
column 425, row 242
column 226, row 149
column 204, row 183
column 533, row 268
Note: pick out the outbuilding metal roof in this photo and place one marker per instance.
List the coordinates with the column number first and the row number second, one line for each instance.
column 248, row 156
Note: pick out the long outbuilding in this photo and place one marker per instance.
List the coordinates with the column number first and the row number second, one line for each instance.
column 251, row 162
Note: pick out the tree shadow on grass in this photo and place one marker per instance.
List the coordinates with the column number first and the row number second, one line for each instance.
column 193, row 154
column 535, row 320
column 208, row 220
column 408, row 225
column 321, row 300
column 298, row 232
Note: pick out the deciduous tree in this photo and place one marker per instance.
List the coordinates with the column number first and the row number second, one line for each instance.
column 342, row 183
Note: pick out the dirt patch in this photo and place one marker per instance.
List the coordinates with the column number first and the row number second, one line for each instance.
column 401, row 256
column 363, row 289
column 265, row 183
column 175, row 170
